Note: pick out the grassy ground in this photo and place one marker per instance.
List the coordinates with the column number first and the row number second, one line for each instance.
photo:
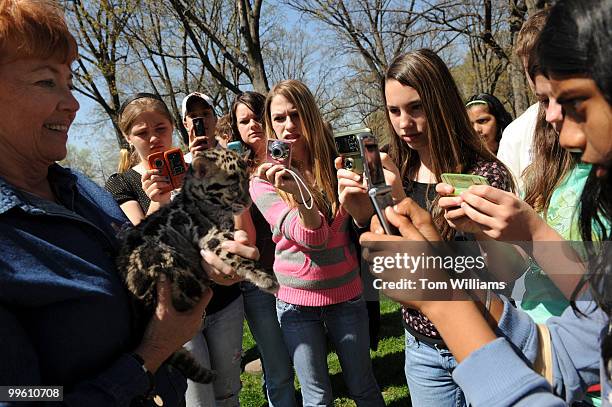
column 388, row 363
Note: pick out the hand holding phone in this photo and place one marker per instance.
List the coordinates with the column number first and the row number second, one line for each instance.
column 378, row 190
column 201, row 141
column 461, row 182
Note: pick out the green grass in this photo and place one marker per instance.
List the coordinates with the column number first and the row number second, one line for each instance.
column 388, row 363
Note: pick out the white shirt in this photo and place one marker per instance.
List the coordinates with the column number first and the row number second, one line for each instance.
column 516, row 143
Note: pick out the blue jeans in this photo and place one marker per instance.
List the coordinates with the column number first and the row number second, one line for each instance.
column 347, row 326
column 428, row 371
column 218, row 346
column 260, row 312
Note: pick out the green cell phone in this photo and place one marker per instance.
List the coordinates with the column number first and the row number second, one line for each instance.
column 461, row 182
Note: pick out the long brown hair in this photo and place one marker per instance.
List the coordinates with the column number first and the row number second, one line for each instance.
column 453, row 144
column 551, row 161
column 320, row 146
column 550, row 165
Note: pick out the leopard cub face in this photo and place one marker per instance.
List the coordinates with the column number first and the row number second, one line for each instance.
column 219, row 176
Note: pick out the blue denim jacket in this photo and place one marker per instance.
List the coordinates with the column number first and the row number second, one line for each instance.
column 64, row 313
column 500, row 373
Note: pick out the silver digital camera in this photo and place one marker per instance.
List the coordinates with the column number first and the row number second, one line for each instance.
column 348, row 148
column 279, row 152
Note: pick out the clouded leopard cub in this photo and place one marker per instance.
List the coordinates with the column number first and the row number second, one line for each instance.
column 169, row 242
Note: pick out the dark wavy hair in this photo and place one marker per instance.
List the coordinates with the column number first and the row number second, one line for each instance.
column 256, row 102
column 496, row 108
column 576, row 42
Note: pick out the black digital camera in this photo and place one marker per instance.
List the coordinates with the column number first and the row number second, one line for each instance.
column 347, row 145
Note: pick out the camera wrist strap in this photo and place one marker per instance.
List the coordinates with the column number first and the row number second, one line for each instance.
column 299, row 181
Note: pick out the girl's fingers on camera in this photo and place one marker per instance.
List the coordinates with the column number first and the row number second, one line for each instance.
column 354, row 191
column 344, row 183
column 262, row 169
column 346, row 174
column 338, row 163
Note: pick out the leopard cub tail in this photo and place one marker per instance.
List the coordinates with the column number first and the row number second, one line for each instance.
column 184, row 361
column 252, row 273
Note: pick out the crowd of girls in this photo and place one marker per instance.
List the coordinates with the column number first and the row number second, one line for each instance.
column 309, row 215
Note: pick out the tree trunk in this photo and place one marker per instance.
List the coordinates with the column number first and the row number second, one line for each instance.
column 518, row 82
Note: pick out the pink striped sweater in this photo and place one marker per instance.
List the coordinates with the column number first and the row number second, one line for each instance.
column 314, row 267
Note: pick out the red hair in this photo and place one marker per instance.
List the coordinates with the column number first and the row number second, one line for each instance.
column 35, row 29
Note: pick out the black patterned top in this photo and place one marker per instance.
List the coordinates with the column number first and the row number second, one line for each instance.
column 424, row 194
column 127, row 186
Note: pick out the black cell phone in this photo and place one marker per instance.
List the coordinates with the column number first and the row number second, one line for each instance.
column 198, row 126
column 378, row 190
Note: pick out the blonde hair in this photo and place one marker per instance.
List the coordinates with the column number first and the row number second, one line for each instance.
column 35, row 29
column 320, row 147
column 129, row 113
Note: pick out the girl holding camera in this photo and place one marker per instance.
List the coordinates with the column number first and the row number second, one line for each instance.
column 146, row 124
column 573, row 50
column 315, row 261
column 431, row 134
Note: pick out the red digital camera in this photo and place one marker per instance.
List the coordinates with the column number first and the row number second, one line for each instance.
column 171, row 164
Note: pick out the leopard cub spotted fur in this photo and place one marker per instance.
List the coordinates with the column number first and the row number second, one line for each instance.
column 169, row 242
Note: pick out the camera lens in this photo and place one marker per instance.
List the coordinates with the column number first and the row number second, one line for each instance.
column 278, row 150
column 159, row 163
column 348, row 163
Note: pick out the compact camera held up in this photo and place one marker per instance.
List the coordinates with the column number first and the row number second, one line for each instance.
column 171, row 164
column 347, row 145
column 279, row 152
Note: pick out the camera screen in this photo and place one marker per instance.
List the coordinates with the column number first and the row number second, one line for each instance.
column 176, row 163
column 372, row 159
column 198, row 126
column 347, row 144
